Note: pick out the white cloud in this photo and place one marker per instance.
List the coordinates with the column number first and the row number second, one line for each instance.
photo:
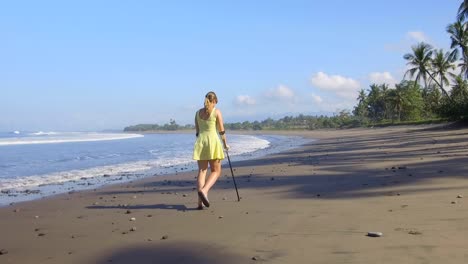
column 244, row 100
column 381, row 78
column 316, row 99
column 336, row 84
column 417, row 36
column 281, row 92
column 410, row 38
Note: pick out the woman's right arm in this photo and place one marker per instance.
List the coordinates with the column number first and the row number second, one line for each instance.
column 197, row 129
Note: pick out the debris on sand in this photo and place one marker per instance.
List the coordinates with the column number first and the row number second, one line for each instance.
column 374, row 234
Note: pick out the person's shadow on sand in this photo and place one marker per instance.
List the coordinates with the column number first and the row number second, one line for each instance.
column 172, row 252
column 178, row 207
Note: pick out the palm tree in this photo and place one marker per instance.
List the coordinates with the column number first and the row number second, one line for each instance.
column 432, row 99
column 459, row 95
column 441, row 64
column 362, row 96
column 361, row 109
column 420, row 62
column 397, row 98
column 374, row 100
column 459, row 39
column 459, row 90
column 384, row 97
column 463, row 10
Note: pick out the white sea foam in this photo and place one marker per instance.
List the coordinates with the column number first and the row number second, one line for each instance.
column 55, row 137
column 41, row 133
column 247, row 144
column 57, row 178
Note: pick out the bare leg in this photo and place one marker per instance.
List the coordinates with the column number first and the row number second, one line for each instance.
column 215, row 166
column 202, row 169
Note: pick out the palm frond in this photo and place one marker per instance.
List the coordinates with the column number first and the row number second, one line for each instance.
column 453, row 55
column 463, row 10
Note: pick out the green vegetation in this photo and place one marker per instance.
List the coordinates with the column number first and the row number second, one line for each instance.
column 408, row 101
column 171, row 126
column 435, row 70
column 343, row 120
column 421, row 97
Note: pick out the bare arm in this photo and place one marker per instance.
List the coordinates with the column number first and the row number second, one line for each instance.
column 197, row 129
column 220, row 125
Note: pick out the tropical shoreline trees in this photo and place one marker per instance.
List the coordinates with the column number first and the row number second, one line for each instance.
column 436, row 71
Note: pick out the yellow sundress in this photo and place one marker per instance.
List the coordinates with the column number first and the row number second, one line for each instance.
column 208, row 145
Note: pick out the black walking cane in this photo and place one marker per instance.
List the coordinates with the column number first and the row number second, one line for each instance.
column 233, row 179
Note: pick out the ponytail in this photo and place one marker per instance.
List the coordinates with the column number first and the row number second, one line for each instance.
column 210, row 100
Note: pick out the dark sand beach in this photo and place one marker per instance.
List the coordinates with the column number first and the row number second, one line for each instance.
column 313, row 204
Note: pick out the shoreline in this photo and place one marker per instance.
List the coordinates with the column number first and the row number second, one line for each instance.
column 14, row 196
column 312, row 203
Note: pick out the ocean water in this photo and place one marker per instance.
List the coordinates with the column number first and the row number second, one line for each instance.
column 39, row 164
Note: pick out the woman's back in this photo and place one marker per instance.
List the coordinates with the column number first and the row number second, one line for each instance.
column 208, row 124
column 208, row 145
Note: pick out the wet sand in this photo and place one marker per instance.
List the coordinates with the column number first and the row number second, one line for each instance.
column 313, row 204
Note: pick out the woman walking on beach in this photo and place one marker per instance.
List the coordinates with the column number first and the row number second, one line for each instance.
column 208, row 149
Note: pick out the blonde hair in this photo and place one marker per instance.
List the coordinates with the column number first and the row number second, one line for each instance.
column 210, row 100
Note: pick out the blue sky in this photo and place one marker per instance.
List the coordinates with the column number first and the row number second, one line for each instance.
column 92, row 65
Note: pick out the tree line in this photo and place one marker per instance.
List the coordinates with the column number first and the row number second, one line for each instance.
column 171, row 126
column 344, row 119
